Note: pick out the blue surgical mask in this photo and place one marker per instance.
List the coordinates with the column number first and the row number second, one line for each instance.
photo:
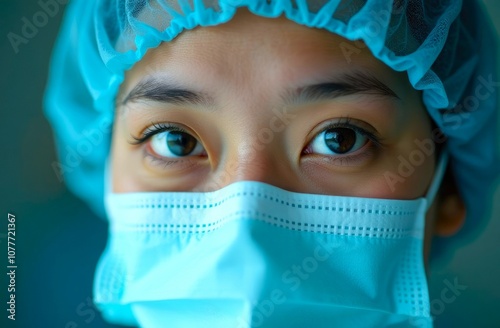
column 254, row 255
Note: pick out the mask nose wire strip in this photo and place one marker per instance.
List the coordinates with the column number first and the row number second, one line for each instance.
column 438, row 178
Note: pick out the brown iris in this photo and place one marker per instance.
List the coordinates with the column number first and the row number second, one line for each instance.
column 180, row 143
column 340, row 140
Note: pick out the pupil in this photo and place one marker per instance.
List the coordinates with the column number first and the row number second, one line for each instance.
column 180, row 143
column 340, row 140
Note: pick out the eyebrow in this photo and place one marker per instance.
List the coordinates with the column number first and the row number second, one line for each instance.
column 154, row 89
column 348, row 84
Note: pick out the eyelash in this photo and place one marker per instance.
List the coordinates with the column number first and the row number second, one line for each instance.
column 155, row 128
column 347, row 122
column 343, row 122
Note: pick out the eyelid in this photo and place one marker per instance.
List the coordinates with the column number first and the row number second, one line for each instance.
column 155, row 128
column 347, row 122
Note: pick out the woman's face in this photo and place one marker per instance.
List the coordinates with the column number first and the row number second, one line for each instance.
column 272, row 101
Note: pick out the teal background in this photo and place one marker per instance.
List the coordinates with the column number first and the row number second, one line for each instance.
column 58, row 239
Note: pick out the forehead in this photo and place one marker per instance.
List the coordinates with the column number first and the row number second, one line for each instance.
column 250, row 51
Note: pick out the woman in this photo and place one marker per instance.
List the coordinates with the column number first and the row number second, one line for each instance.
column 274, row 163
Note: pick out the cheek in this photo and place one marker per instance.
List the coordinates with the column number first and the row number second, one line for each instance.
column 126, row 165
column 122, row 180
column 408, row 167
column 407, row 175
column 393, row 182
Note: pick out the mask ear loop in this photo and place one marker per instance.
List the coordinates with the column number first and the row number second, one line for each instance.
column 438, row 177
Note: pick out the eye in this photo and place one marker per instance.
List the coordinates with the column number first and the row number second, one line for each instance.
column 169, row 140
column 174, row 143
column 337, row 141
column 343, row 137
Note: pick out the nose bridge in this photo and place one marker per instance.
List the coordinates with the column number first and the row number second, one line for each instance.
column 253, row 160
column 254, row 149
column 253, row 155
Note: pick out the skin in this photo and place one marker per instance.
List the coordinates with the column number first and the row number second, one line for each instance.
column 245, row 66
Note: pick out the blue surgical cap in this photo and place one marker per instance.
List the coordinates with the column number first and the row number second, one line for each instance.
column 446, row 47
